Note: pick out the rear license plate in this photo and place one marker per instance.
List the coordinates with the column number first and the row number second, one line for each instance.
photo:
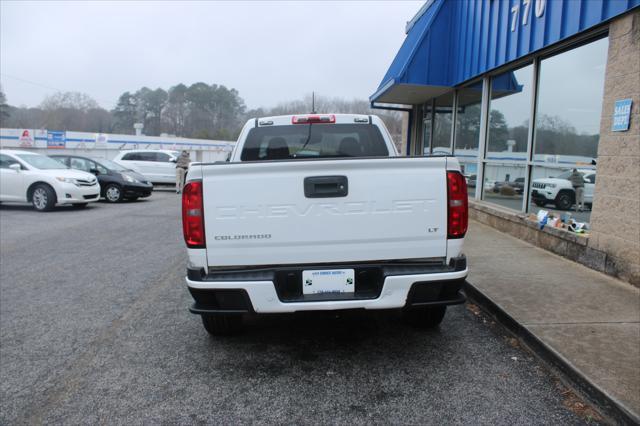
column 328, row 281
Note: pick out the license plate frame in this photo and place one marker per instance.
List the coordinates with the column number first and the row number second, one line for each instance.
column 328, row 281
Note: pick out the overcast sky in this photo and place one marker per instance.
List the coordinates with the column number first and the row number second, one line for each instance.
column 269, row 51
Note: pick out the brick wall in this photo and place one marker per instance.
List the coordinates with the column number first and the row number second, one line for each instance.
column 615, row 219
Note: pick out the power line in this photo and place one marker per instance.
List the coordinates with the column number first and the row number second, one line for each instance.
column 48, row 87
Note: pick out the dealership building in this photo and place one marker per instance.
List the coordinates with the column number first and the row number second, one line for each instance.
column 522, row 92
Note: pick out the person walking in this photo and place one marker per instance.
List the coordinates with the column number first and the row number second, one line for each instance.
column 577, row 181
column 182, row 165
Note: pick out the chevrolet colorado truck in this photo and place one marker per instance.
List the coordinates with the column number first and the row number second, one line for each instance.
column 317, row 212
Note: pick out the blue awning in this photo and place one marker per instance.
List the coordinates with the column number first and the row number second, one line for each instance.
column 413, row 76
column 451, row 42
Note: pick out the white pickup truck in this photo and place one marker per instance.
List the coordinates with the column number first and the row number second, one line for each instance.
column 318, row 212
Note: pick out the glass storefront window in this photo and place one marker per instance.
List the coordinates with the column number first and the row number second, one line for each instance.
column 426, row 128
column 467, row 133
column 552, row 190
column 570, row 92
column 571, row 87
column 442, row 124
column 504, row 184
column 510, row 109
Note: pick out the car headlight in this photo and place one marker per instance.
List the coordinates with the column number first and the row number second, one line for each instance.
column 129, row 178
column 551, row 185
column 67, row 180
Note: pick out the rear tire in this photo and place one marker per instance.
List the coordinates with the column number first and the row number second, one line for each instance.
column 222, row 324
column 425, row 317
column 43, row 198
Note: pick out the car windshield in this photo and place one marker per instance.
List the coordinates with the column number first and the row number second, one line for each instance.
column 300, row 141
column 41, row 162
column 111, row 165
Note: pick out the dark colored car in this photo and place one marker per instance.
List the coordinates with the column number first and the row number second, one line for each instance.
column 116, row 182
column 517, row 185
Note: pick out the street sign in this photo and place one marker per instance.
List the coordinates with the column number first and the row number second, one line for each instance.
column 56, row 140
column 621, row 115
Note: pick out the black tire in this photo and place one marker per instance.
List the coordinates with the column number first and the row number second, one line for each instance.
column 222, row 324
column 564, row 200
column 425, row 317
column 539, row 203
column 113, row 193
column 80, row 205
column 43, row 198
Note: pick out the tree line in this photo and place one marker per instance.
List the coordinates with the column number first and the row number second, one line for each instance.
column 202, row 111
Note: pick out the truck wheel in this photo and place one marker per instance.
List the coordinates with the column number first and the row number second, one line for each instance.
column 222, row 324
column 564, row 200
column 43, row 198
column 425, row 317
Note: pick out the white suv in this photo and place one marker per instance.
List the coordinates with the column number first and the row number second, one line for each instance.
column 157, row 165
column 559, row 191
column 44, row 182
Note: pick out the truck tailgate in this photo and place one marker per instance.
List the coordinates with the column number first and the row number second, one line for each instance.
column 258, row 213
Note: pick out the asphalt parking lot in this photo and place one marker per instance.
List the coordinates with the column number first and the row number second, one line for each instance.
column 94, row 328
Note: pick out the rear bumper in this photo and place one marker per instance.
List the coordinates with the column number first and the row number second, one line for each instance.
column 267, row 291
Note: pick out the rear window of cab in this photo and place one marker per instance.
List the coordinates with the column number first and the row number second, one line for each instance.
column 303, row 141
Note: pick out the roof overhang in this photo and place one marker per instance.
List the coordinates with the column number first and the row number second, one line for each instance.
column 419, row 70
column 407, row 94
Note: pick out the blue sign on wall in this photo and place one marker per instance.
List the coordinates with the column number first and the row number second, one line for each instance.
column 621, row 115
column 56, row 140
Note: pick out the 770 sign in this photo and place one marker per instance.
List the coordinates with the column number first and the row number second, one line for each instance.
column 526, row 6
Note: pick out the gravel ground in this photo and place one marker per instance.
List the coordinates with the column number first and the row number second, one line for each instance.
column 94, row 328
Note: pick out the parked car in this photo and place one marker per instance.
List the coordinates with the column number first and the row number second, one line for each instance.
column 333, row 224
column 44, row 182
column 117, row 182
column 559, row 191
column 471, row 180
column 517, row 184
column 158, row 166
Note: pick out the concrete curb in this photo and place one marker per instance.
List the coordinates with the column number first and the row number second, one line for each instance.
column 607, row 404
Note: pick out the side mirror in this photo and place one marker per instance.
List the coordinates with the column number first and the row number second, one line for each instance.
column 173, row 160
column 95, row 171
column 16, row 167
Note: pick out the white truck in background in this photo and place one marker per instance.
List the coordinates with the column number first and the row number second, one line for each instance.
column 318, row 212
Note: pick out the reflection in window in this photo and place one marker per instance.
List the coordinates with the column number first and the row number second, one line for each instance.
column 552, row 190
column 504, row 184
column 467, row 133
column 442, row 124
column 571, row 86
column 509, row 115
column 468, row 120
column 426, row 128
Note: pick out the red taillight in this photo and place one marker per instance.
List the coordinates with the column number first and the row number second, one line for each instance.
column 308, row 119
column 193, row 215
column 457, row 205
